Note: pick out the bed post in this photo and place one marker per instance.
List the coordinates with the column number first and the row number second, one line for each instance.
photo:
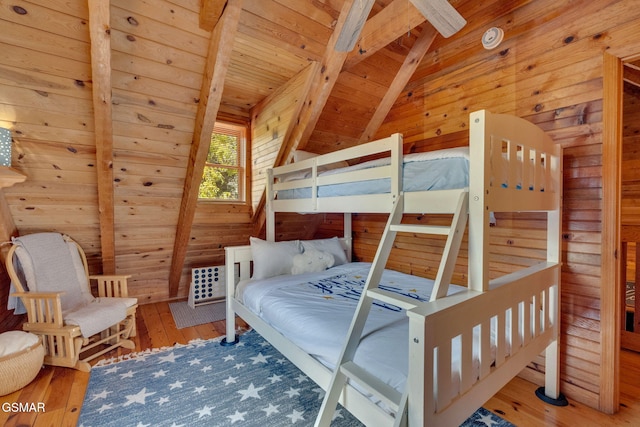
column 550, row 393
column 348, row 235
column 231, row 336
column 270, row 214
column 479, row 152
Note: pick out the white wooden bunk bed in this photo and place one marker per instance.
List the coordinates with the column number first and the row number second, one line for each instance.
column 462, row 345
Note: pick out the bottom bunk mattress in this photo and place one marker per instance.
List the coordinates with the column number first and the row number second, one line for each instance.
column 314, row 311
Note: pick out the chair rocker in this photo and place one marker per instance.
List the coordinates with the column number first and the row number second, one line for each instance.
column 51, row 276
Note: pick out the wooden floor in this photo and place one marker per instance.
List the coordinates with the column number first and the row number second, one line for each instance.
column 62, row 390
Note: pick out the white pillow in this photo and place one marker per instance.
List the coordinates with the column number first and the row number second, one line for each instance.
column 332, row 245
column 311, row 261
column 273, row 258
column 15, row 341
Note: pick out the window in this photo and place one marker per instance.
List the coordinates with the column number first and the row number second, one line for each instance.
column 223, row 178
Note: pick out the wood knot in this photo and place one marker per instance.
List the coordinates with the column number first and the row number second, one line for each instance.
column 19, row 10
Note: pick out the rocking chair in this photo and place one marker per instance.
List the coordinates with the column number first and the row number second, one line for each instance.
column 51, row 276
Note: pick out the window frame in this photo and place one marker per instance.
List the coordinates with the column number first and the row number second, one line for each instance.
column 241, row 131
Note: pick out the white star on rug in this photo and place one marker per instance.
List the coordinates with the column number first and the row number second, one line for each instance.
column 229, row 358
column 139, row 397
column 101, row 395
column 176, row 425
column 320, row 392
column 337, row 414
column 113, row 370
column 206, row 368
column 239, row 366
column 271, row 409
column 275, row 378
column 194, row 362
column 251, row 391
column 105, row 407
column 260, row 358
column 200, row 389
column 160, row 373
column 177, row 384
column 292, row 392
column 142, row 425
column 204, row 411
column 162, row 400
column 486, row 420
column 230, row 380
column 238, row 416
column 301, row 378
column 127, row 375
column 168, row 358
column 296, row 416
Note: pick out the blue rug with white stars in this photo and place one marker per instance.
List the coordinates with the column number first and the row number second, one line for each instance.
column 205, row 384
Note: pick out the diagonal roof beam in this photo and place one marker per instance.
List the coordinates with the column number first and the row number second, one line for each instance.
column 99, row 32
column 220, row 48
column 393, row 21
column 324, row 80
column 411, row 62
column 210, row 13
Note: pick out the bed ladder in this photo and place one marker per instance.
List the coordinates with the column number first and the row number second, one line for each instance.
column 347, row 369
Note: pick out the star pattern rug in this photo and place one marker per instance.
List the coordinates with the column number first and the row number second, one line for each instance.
column 205, row 384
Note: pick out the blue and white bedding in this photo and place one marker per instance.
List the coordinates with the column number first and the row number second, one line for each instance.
column 435, row 170
column 314, row 311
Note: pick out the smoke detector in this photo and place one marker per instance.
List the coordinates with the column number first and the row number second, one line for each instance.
column 492, row 37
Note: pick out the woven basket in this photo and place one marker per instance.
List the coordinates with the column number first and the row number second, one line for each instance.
column 19, row 369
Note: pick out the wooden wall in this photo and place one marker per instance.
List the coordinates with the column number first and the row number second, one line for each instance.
column 549, row 70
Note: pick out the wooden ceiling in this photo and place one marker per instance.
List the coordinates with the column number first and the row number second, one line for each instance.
column 112, row 103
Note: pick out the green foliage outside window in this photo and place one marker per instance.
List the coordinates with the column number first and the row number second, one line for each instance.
column 220, row 179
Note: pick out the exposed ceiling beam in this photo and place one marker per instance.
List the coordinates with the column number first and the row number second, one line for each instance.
column 99, row 31
column 210, row 13
column 444, row 17
column 411, row 62
column 350, row 31
column 321, row 86
column 218, row 58
column 395, row 20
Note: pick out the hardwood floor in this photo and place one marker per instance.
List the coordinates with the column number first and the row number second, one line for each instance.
column 62, row 390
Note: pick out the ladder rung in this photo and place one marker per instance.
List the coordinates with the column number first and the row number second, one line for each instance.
column 423, row 229
column 401, row 301
column 373, row 385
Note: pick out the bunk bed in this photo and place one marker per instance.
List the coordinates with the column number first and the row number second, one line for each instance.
column 461, row 344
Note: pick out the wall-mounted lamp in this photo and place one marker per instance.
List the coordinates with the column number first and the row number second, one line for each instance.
column 5, row 147
column 492, row 37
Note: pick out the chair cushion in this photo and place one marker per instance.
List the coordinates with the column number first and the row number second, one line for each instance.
column 98, row 315
column 49, row 264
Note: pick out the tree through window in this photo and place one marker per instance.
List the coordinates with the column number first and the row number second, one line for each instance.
column 223, row 176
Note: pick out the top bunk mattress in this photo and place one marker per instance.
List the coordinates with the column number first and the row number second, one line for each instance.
column 435, row 170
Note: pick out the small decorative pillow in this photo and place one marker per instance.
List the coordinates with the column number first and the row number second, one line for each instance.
column 311, row 261
column 331, row 245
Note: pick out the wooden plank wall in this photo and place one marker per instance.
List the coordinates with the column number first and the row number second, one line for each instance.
column 46, row 73
column 630, row 195
column 549, row 71
column 271, row 119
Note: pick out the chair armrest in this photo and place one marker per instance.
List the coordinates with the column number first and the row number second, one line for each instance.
column 112, row 285
column 43, row 308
